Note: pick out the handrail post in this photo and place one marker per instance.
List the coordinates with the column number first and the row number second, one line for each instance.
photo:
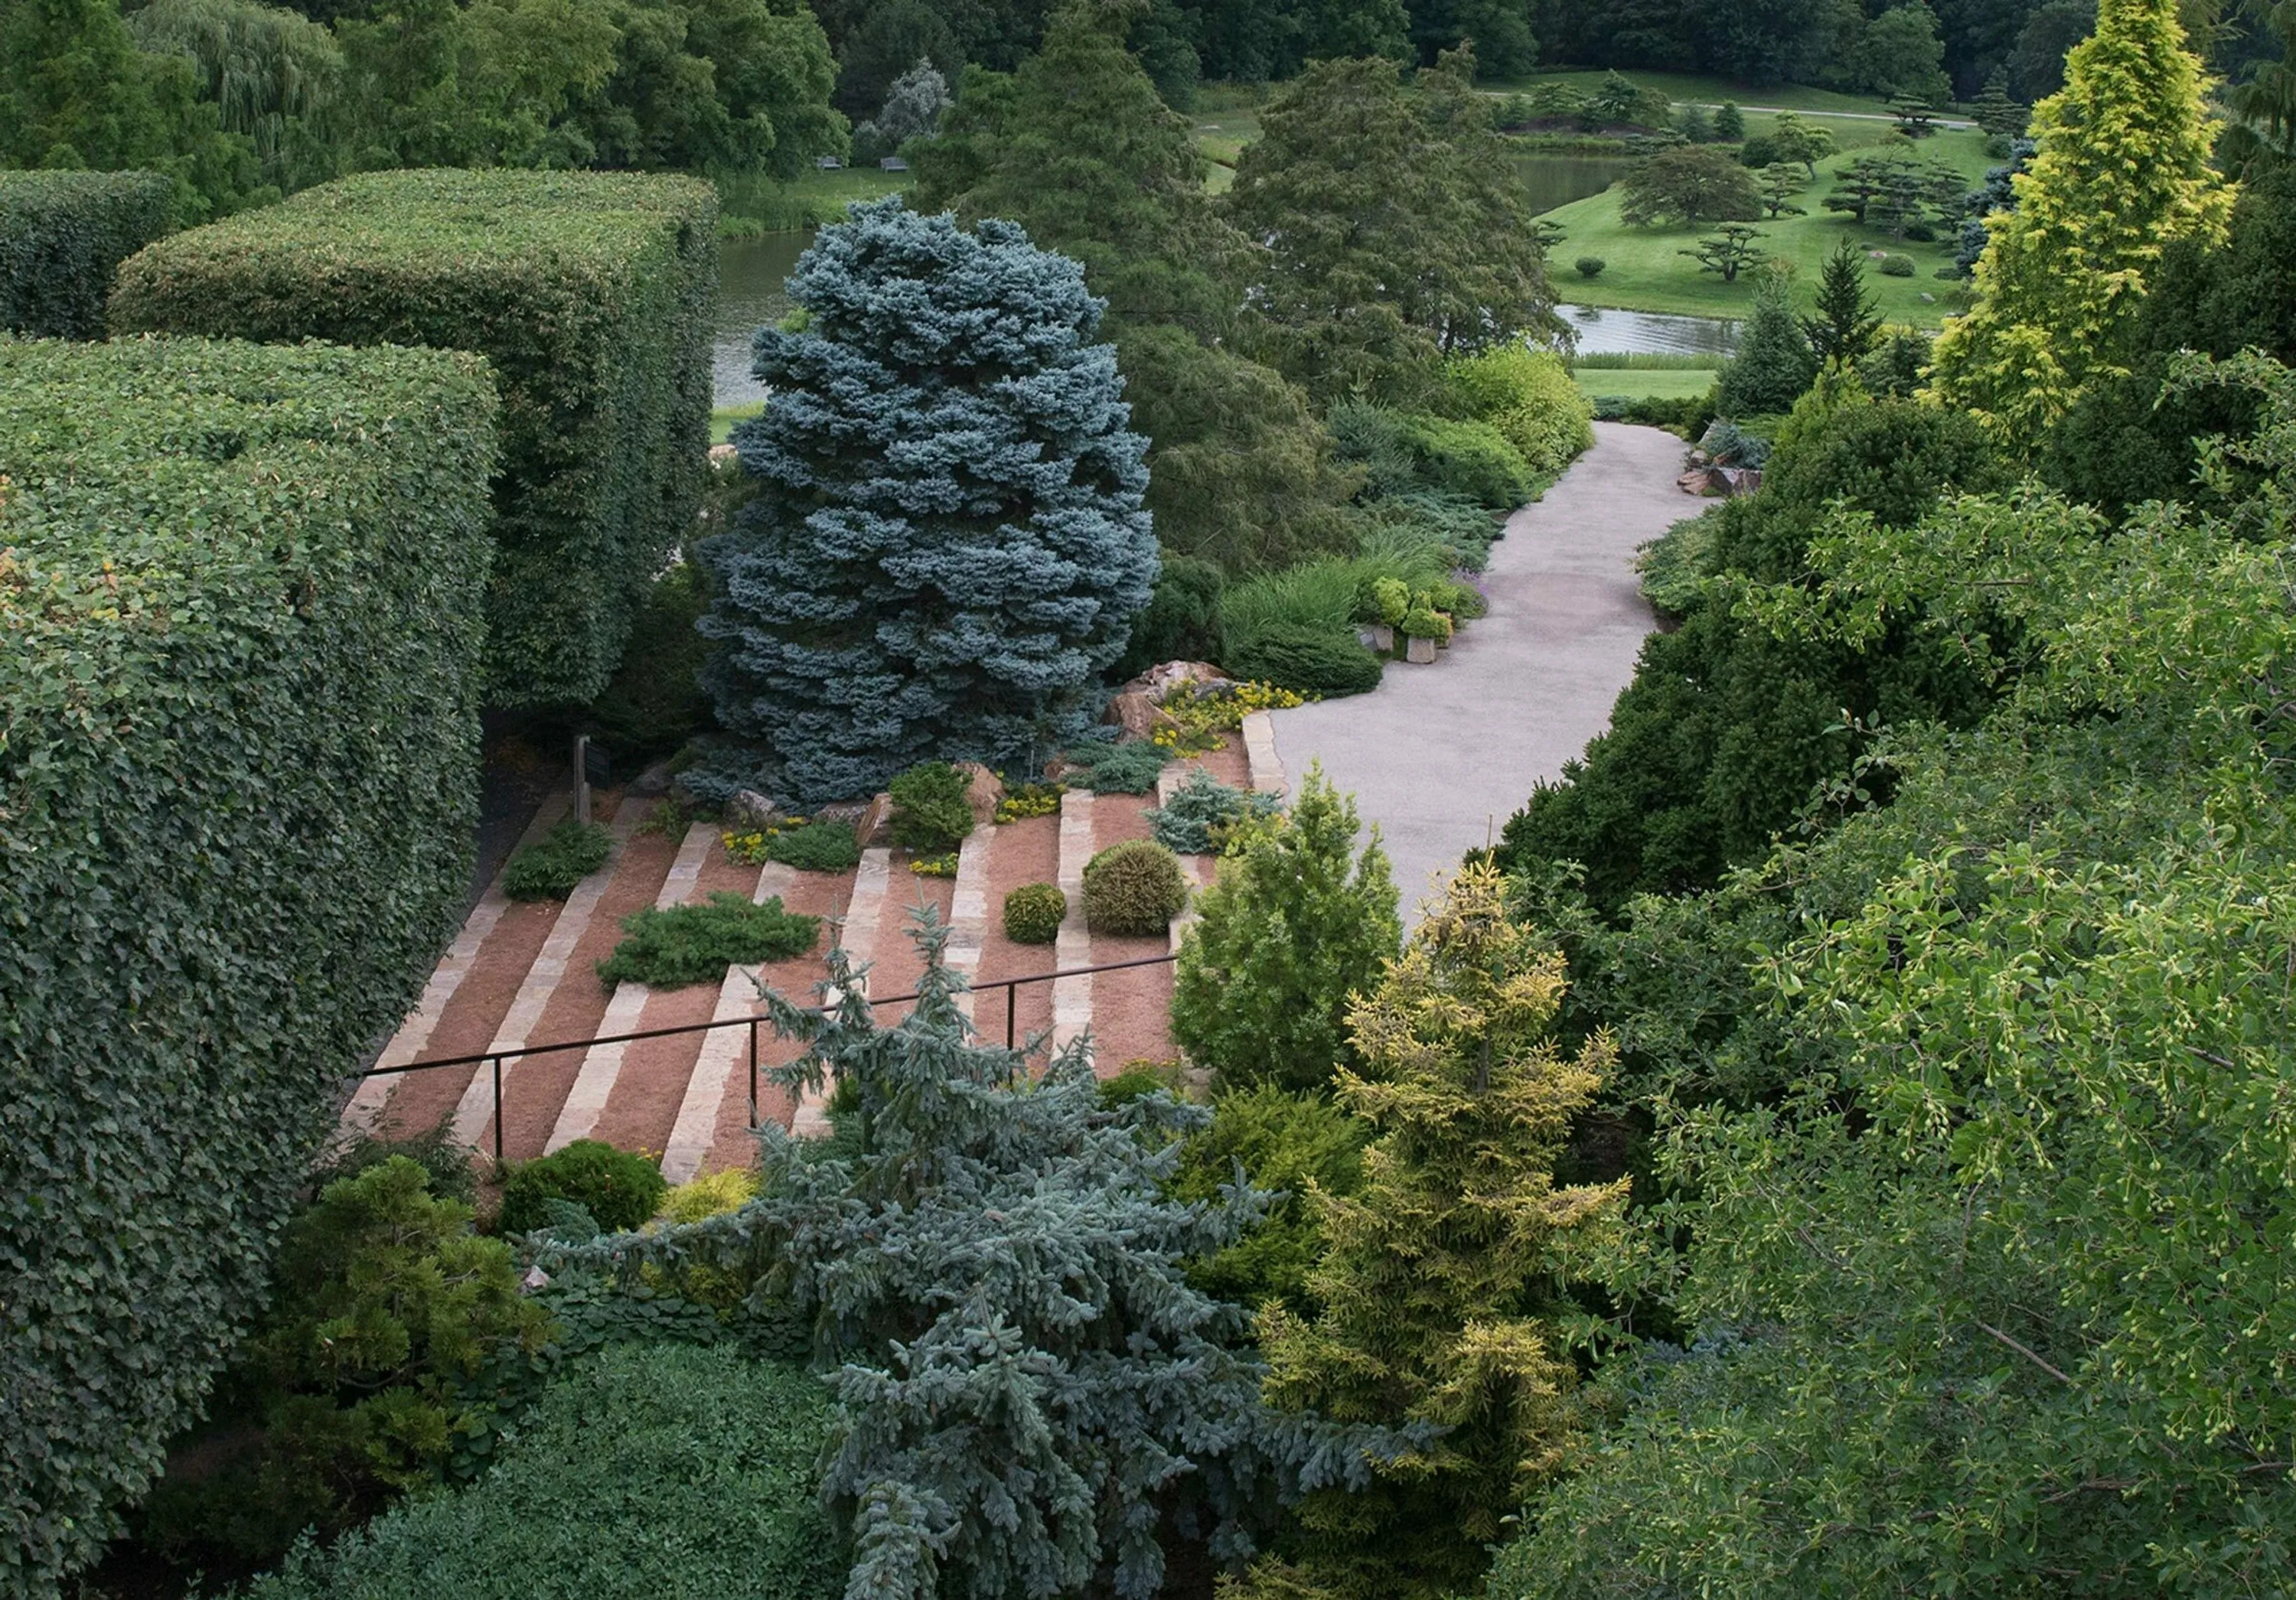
column 498, row 1138
column 753, row 1074
column 1011, row 1003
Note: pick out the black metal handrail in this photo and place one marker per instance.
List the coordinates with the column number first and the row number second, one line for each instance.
column 495, row 1059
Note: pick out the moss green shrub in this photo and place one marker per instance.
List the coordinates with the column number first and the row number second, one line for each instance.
column 592, row 294
column 240, row 632
column 1895, row 266
column 930, row 816
column 1134, row 888
column 1329, row 663
column 1472, row 458
column 657, row 1470
column 671, row 947
column 1033, row 913
column 817, row 846
column 654, row 704
column 619, row 1188
column 1590, row 266
column 550, row 867
column 1528, row 395
column 63, row 234
column 1286, row 1141
column 1390, row 598
column 1129, row 769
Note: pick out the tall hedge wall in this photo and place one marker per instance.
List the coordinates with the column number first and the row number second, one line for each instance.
column 591, row 293
column 240, row 596
column 63, row 234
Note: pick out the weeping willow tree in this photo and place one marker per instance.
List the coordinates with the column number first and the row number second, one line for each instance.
column 274, row 75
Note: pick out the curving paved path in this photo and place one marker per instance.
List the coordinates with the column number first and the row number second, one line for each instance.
column 1439, row 757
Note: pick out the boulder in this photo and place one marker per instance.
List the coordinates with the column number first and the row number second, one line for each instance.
column 1137, row 712
column 750, row 809
column 1164, row 677
column 983, row 793
column 653, row 780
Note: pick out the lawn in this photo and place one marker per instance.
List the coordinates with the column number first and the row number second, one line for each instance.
column 722, row 420
column 1226, row 119
column 1637, row 383
column 1644, row 271
column 813, row 198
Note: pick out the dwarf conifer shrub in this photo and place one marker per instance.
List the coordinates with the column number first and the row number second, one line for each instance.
column 1307, row 661
column 1205, row 814
column 591, row 293
column 550, row 867
column 1033, row 913
column 671, row 947
column 1128, row 768
column 240, row 604
column 63, row 234
column 931, row 814
column 619, row 1188
column 1134, row 888
column 818, row 846
column 947, row 547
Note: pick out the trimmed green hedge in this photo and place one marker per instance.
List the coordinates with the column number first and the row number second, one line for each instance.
column 669, row 1471
column 62, row 235
column 241, row 595
column 592, row 294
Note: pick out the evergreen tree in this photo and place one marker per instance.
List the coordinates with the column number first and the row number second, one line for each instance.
column 1780, row 181
column 1733, row 248
column 1286, row 937
column 1774, row 363
column 1395, row 231
column 1444, row 1289
column 946, row 547
column 1076, row 147
column 1848, row 318
column 1994, row 110
column 1729, row 124
column 992, row 1270
column 2121, row 171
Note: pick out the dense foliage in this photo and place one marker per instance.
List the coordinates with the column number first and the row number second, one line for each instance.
column 619, row 1188
column 930, row 814
column 354, row 1386
column 591, row 295
column 63, row 234
column 2033, row 1000
column 241, row 589
column 1297, row 1146
column 1134, row 888
column 1033, row 913
column 1036, row 1399
column 1294, row 927
column 655, row 1469
column 551, row 867
column 947, row 547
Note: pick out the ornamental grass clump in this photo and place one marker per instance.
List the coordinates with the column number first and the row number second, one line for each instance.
column 550, row 867
column 1134, row 890
column 1033, row 913
column 671, row 947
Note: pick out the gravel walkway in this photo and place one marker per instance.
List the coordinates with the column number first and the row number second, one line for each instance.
column 1439, row 757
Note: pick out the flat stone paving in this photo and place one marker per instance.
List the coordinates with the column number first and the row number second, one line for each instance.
column 1439, row 757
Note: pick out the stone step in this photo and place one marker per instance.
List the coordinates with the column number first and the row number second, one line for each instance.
column 859, row 931
column 1072, row 997
column 542, row 980
column 724, row 1051
column 601, row 1065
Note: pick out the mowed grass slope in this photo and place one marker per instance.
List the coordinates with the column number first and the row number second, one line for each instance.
column 1645, row 271
column 1702, row 90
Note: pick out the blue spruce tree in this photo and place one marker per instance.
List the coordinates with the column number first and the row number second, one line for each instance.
column 946, row 549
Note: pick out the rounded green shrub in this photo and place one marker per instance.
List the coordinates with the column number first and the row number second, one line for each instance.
column 550, row 867
column 1134, row 888
column 618, row 1188
column 930, row 816
column 1590, row 266
column 1307, row 661
column 1895, row 266
column 1033, row 913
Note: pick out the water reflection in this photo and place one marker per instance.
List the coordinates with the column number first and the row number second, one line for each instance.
column 1653, row 333
column 750, row 297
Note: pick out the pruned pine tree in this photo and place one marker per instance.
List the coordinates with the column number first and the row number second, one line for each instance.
column 2122, row 170
column 1445, row 1288
column 991, row 1267
column 948, row 546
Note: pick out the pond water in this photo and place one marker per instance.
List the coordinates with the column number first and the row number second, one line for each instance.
column 749, row 276
column 1652, row 332
column 1552, row 181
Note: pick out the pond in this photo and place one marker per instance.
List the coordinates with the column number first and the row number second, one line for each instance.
column 1649, row 333
column 1552, row 181
column 750, row 274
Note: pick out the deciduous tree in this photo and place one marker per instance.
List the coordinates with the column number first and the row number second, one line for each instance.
column 1688, row 185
